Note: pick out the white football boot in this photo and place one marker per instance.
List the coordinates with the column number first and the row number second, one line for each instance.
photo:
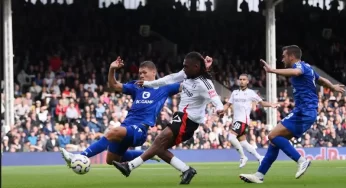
column 243, row 162
column 67, row 156
column 251, row 178
column 302, row 167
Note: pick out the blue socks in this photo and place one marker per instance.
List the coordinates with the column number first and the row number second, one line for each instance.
column 129, row 155
column 269, row 158
column 286, row 147
column 96, row 147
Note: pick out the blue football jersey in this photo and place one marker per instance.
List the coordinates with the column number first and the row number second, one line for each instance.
column 147, row 102
column 304, row 87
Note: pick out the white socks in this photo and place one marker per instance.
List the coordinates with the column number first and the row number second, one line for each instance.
column 250, row 149
column 301, row 160
column 175, row 162
column 259, row 175
column 178, row 164
column 236, row 144
column 135, row 163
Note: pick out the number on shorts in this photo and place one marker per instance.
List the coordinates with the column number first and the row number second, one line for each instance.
column 288, row 116
column 236, row 126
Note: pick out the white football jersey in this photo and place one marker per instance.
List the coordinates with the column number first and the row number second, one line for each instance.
column 241, row 101
column 195, row 95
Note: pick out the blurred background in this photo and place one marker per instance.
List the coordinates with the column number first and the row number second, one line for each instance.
column 63, row 48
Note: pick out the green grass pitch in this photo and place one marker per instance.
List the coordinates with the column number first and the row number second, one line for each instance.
column 321, row 174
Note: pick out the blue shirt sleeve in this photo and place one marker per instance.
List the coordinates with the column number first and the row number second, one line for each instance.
column 299, row 66
column 129, row 89
column 173, row 89
column 316, row 75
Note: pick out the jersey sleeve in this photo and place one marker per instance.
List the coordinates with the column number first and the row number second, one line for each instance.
column 129, row 89
column 231, row 98
column 209, row 93
column 173, row 89
column 255, row 97
column 299, row 66
column 169, row 79
column 317, row 76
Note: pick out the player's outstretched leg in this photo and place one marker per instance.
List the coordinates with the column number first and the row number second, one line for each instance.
column 245, row 144
column 132, row 154
column 114, row 135
column 290, row 151
column 258, row 177
column 160, row 144
column 280, row 138
column 236, row 144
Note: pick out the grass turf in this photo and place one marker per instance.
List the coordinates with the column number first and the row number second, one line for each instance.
column 321, row 174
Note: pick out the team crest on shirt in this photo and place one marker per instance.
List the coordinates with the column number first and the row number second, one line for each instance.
column 212, row 93
column 145, row 95
column 144, row 100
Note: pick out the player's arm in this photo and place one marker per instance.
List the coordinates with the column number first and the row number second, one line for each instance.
column 297, row 70
column 257, row 99
column 288, row 72
column 208, row 92
column 169, row 79
column 229, row 103
column 173, row 89
column 112, row 82
column 268, row 104
column 326, row 83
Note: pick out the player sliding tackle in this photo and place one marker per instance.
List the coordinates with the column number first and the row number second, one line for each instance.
column 304, row 114
column 142, row 115
column 148, row 103
column 197, row 91
column 241, row 102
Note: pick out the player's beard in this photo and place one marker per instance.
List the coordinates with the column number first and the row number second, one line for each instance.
column 243, row 87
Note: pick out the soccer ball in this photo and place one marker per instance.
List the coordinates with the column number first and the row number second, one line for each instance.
column 80, row 164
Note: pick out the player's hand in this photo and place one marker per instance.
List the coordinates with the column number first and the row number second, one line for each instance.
column 208, row 62
column 338, row 88
column 266, row 66
column 275, row 105
column 117, row 64
column 220, row 113
column 140, row 83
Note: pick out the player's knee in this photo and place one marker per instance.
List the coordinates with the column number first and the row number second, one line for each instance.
column 116, row 134
column 271, row 136
column 109, row 161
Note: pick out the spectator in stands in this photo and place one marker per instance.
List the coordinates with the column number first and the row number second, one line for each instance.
column 61, row 99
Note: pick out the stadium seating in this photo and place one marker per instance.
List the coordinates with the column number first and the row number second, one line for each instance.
column 61, row 95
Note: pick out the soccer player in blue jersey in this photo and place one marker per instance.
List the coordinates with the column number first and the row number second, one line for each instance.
column 147, row 104
column 301, row 118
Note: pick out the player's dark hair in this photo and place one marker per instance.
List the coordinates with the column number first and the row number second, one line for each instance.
column 148, row 64
column 198, row 57
column 293, row 50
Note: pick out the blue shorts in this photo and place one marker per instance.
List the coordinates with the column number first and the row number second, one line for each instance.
column 299, row 121
column 136, row 135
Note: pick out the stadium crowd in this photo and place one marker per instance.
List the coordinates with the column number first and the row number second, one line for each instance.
column 61, row 95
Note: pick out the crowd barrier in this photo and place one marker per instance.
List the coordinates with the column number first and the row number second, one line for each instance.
column 54, row 158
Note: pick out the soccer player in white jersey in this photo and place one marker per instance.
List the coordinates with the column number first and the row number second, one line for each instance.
column 241, row 101
column 197, row 91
